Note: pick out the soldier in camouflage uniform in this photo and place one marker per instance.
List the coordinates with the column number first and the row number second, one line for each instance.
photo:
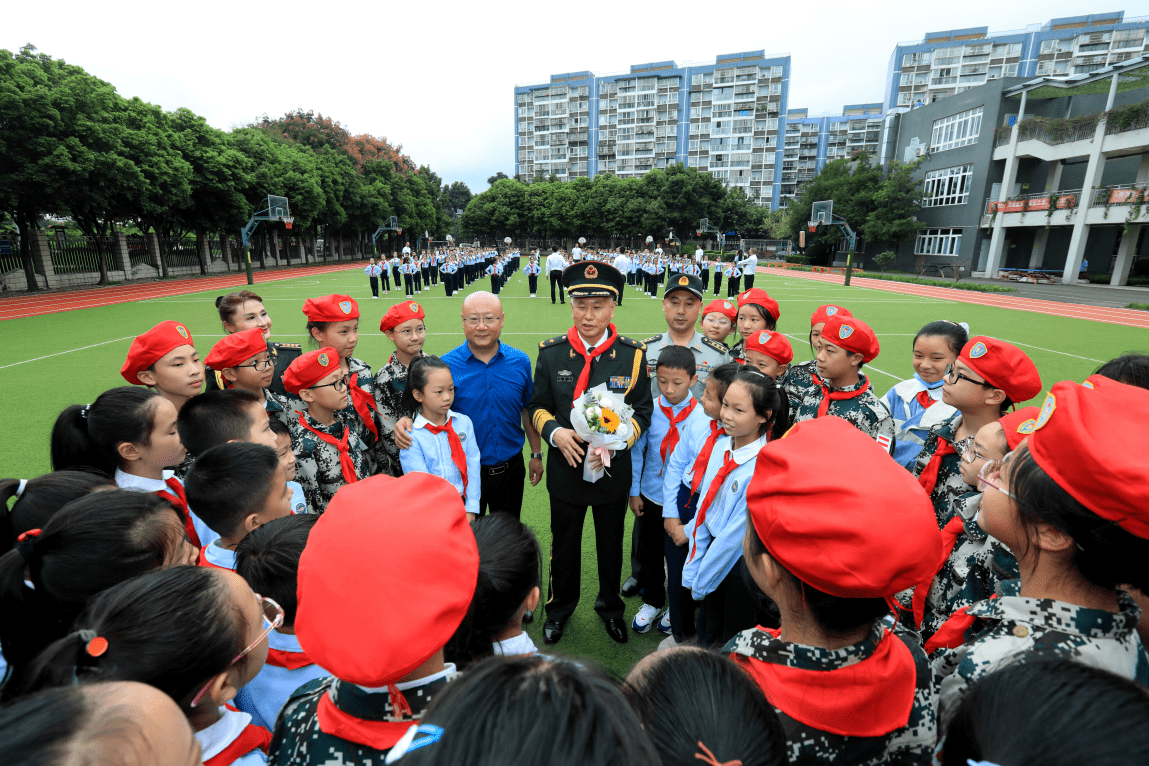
column 870, row 701
column 382, row 641
column 401, row 323
column 800, row 377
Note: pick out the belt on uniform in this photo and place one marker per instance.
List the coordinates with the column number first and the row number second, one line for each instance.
column 495, row 470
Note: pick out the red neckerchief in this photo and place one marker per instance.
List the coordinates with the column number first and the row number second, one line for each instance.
column 699, row 469
column 346, row 464
column 836, row 396
column 929, row 476
column 925, row 399
column 951, row 634
column 251, row 738
column 671, row 439
column 380, row 735
column 364, row 404
column 175, row 495
column 950, row 534
column 728, row 465
column 870, row 698
column 281, row 658
column 577, row 344
column 458, row 457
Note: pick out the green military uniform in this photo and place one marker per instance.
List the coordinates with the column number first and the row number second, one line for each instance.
column 317, row 467
column 284, row 408
column 912, row 743
column 282, row 354
column 389, row 384
column 865, row 411
column 799, row 378
column 361, row 372
column 950, row 484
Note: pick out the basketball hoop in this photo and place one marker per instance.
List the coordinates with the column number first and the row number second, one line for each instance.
column 700, row 234
column 288, row 221
column 813, row 227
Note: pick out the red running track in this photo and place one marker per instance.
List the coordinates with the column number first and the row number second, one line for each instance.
column 1127, row 317
column 38, row 304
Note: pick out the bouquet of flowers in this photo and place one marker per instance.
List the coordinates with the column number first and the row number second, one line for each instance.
column 601, row 419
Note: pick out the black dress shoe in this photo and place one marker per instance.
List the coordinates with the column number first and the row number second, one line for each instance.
column 529, row 617
column 616, row 629
column 629, row 587
column 553, row 631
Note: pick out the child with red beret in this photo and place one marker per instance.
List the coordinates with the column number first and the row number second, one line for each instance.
column 847, row 688
column 164, row 358
column 1070, row 503
column 718, row 320
column 383, row 643
column 403, row 326
column 243, row 360
column 988, row 376
column 839, row 387
column 329, row 453
column 801, row 376
column 756, row 311
column 770, row 352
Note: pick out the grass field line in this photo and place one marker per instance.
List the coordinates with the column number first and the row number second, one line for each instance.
column 69, row 351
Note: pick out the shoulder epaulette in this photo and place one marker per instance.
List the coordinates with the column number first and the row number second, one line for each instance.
column 311, row 687
column 653, row 338
column 289, row 345
column 632, row 342
column 715, row 344
column 552, row 341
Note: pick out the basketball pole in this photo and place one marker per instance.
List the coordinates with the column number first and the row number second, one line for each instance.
column 247, row 262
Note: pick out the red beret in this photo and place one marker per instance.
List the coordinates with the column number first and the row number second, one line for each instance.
column 1018, row 425
column 386, row 578
column 1003, row 366
column 823, row 313
column 331, row 308
column 852, row 334
column 799, row 510
column 1089, row 441
column 400, row 313
column 149, row 348
column 726, row 308
column 772, row 344
column 758, row 297
column 236, row 348
column 310, row 368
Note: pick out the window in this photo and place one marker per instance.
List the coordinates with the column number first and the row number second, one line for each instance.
column 938, row 242
column 956, row 130
column 1006, row 49
column 1128, row 38
column 916, row 59
column 1056, row 46
column 904, row 99
column 947, row 186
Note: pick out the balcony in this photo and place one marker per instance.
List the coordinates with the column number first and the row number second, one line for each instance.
column 1033, row 210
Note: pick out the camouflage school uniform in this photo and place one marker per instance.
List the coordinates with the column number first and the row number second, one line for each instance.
column 389, row 384
column 299, row 739
column 865, row 412
column 363, row 379
column 799, row 378
column 1013, row 628
column 950, row 485
column 907, row 745
column 317, row 463
column 283, row 407
column 282, row 355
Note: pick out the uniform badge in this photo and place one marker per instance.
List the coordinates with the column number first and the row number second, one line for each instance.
column 734, row 486
column 612, row 353
column 463, row 437
column 845, row 331
column 322, row 359
column 831, row 310
column 591, row 272
column 1088, row 384
column 1027, row 427
column 726, row 305
column 414, row 307
column 979, row 350
column 182, row 331
column 619, row 381
column 883, row 440
column 1046, row 411
column 763, row 337
column 683, row 280
column 566, row 375
column 345, row 307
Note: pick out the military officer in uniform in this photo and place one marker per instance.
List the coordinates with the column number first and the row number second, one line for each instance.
column 591, row 353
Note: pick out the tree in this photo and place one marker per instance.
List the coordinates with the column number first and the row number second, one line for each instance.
column 455, row 197
column 496, row 177
column 898, row 200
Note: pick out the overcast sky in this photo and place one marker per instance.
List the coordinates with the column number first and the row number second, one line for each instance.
column 439, row 78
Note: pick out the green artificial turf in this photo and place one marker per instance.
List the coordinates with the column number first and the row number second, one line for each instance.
column 49, row 362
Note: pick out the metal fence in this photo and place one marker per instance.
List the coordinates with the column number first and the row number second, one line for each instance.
column 138, row 253
column 74, row 255
column 10, row 255
column 179, row 251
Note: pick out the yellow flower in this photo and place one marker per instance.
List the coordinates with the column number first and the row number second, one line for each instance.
column 610, row 421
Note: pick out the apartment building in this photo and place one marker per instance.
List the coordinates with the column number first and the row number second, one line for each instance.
column 943, row 64
column 811, row 142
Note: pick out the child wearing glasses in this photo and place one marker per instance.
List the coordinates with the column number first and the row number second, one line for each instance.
column 329, row 453
column 403, row 326
column 1070, row 503
column 198, row 634
column 243, row 361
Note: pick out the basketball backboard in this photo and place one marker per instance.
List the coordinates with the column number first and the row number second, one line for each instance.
column 822, row 212
column 277, row 208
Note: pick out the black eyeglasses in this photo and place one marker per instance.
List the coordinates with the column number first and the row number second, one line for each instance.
column 259, row 365
column 950, row 372
column 340, row 385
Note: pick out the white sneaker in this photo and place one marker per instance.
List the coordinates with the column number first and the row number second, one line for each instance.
column 645, row 619
column 664, row 623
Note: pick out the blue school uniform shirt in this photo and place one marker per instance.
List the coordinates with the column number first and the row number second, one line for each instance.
column 716, row 544
column 298, row 499
column 218, row 556
column 912, row 421
column 646, row 454
column 267, row 693
column 431, row 453
column 680, row 464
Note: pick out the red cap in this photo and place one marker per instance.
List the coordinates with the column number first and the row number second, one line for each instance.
column 1088, row 441
column 386, row 578
column 796, row 506
column 1003, row 366
column 331, row 308
column 728, row 309
column 149, row 348
column 1018, row 425
column 823, row 313
column 400, row 313
column 310, row 368
column 852, row 334
column 758, row 297
column 236, row 348
column 772, row 344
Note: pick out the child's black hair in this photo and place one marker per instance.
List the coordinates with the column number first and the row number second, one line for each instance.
column 87, row 436
column 90, row 544
column 677, row 358
column 689, row 695
column 509, row 564
column 417, row 376
column 723, row 376
column 40, row 500
column 771, row 323
column 769, row 402
column 175, row 628
column 279, row 428
column 230, row 482
column 215, row 417
column 268, row 558
column 956, row 335
column 1073, row 714
column 1131, row 369
column 584, row 716
column 1106, row 555
column 321, row 326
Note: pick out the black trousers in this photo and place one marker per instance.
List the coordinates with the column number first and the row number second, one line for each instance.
column 729, row 610
column 732, row 286
column 682, row 604
column 717, row 282
column 386, row 282
column 502, row 488
column 533, row 281
column 495, row 284
column 418, row 281
column 408, row 285
column 434, row 275
column 447, row 286
column 705, row 277
column 621, row 290
column 650, row 550
column 566, row 557
column 374, row 286
column 398, row 276
column 747, row 280
column 557, row 281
